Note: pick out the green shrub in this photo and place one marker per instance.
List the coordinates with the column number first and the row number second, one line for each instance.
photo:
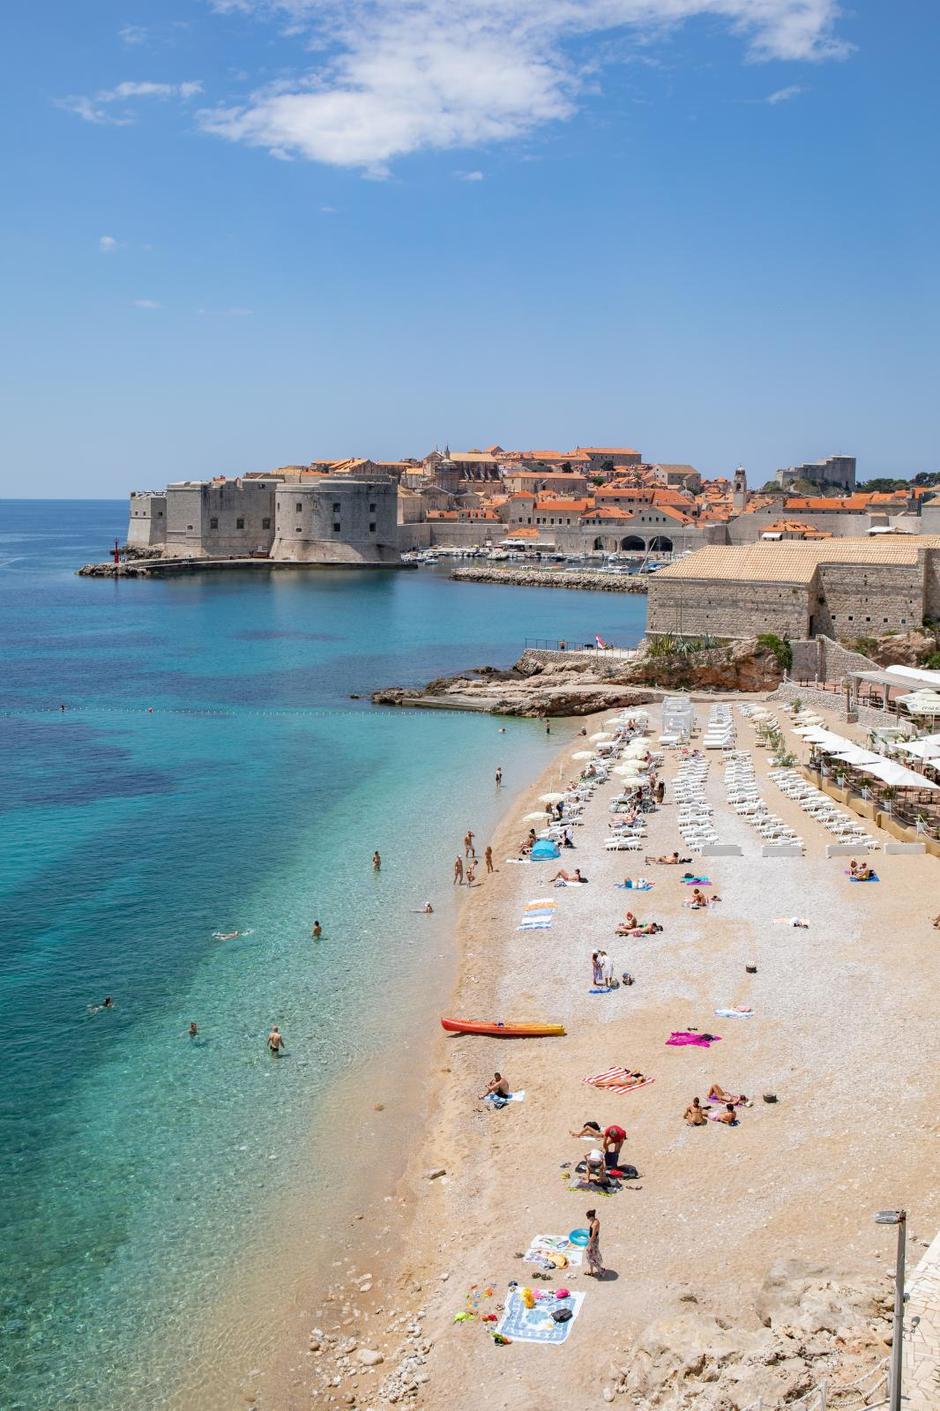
column 779, row 646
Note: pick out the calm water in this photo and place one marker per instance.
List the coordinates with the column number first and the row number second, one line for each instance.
column 209, row 774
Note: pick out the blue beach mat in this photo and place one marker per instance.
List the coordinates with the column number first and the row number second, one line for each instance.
column 537, row 1324
column 873, row 878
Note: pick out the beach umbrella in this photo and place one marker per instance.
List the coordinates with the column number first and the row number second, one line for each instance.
column 551, row 798
column 921, row 702
column 928, row 748
column 635, row 769
column 583, row 754
column 636, row 748
column 603, row 735
column 534, row 817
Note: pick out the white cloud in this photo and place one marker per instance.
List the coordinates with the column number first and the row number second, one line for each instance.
column 147, row 304
column 107, row 244
column 328, row 210
column 99, row 109
column 402, row 76
column 468, row 175
column 783, row 95
column 132, row 34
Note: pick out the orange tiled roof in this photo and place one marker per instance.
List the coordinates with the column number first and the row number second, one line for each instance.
column 525, row 534
column 609, row 450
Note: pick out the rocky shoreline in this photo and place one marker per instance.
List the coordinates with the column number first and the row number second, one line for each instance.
column 588, row 579
column 560, row 684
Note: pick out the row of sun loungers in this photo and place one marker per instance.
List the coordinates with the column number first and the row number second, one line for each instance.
column 825, row 810
column 743, row 796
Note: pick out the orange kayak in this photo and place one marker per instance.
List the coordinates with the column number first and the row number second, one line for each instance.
column 503, row 1031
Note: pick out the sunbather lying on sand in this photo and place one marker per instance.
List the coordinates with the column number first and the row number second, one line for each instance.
column 589, row 1129
column 623, row 1080
column 562, row 876
column 651, row 928
column 716, row 1093
column 792, row 921
column 672, row 860
column 729, row 1116
column 694, row 1115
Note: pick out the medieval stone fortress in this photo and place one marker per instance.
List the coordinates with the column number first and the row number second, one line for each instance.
column 808, row 554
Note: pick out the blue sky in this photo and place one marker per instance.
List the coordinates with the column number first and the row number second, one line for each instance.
column 244, row 233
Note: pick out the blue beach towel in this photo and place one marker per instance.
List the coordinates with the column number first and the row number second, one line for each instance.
column 873, row 878
column 537, row 1324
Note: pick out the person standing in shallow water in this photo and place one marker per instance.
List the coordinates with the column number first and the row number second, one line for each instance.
column 376, row 862
column 488, row 859
column 458, row 871
column 276, row 1042
column 499, row 777
column 316, row 930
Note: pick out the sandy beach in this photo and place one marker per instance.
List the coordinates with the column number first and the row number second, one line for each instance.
column 842, row 1032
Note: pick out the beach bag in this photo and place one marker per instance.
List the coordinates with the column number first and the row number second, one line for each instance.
column 628, row 1173
column 562, row 1315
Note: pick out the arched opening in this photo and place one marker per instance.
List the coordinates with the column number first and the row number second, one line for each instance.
column 632, row 542
column 661, row 545
column 598, row 543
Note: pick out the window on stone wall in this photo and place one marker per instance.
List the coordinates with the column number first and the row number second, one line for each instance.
column 239, row 524
column 372, row 509
column 265, row 524
column 372, row 531
column 213, row 524
column 299, row 506
column 336, row 508
column 336, row 526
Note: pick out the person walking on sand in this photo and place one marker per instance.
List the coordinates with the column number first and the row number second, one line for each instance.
column 468, row 849
column 458, row 871
column 592, row 1249
column 276, row 1042
column 376, row 861
column 488, row 859
column 471, row 874
column 316, row 930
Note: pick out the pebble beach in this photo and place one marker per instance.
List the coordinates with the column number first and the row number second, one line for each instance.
column 729, row 1237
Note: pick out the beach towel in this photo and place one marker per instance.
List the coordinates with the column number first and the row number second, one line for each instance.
column 543, row 1247
column 735, row 1013
column 499, row 1100
column 695, row 881
column 519, row 861
column 873, row 878
column 617, row 1080
column 536, row 1324
column 535, row 926
column 601, row 990
column 541, row 904
column 530, row 912
column 641, row 886
column 723, row 1102
column 680, row 1038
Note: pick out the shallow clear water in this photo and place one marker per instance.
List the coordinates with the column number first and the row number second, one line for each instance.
column 209, row 774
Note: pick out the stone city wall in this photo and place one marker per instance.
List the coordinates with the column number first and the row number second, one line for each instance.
column 822, row 659
column 862, row 600
column 699, row 607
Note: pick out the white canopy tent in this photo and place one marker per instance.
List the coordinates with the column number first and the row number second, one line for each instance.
column 897, row 776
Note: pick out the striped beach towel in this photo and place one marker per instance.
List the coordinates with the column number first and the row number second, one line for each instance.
column 617, row 1080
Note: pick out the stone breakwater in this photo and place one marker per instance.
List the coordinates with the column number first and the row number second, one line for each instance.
column 553, row 578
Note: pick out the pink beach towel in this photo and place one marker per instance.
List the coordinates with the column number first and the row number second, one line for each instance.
column 681, row 1039
column 610, row 1084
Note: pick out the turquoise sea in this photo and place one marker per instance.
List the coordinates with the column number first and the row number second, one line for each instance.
column 210, row 773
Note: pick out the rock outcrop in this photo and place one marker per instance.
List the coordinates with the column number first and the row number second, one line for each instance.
column 805, row 1327
column 558, row 683
column 898, row 648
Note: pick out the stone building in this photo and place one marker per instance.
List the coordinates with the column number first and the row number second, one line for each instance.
column 342, row 519
column 297, row 518
column 837, row 471
column 834, row 587
column 147, row 524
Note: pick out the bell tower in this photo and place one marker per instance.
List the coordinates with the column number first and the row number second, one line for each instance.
column 739, row 490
